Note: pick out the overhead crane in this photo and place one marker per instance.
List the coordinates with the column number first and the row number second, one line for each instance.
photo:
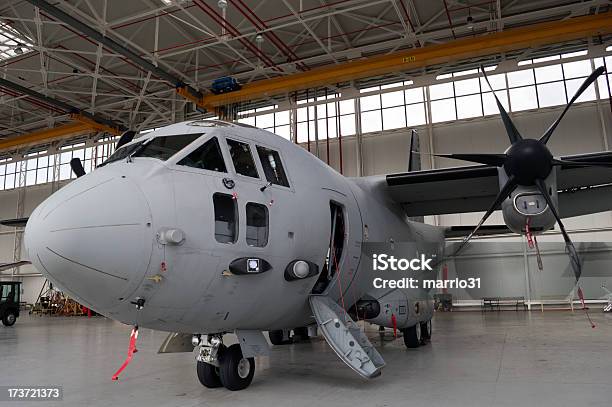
column 514, row 39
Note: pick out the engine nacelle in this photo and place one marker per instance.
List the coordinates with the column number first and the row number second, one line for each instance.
column 395, row 304
column 526, row 202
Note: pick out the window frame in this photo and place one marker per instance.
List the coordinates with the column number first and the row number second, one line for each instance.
column 246, row 223
column 256, row 163
column 282, row 162
column 146, row 143
column 200, row 142
column 236, row 218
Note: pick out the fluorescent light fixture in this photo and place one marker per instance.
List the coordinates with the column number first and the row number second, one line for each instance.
column 12, row 42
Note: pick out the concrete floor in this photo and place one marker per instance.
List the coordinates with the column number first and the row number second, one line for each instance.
column 491, row 359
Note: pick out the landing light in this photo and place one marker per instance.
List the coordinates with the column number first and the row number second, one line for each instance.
column 253, row 266
column 301, row 269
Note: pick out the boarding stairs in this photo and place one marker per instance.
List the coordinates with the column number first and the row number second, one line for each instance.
column 345, row 337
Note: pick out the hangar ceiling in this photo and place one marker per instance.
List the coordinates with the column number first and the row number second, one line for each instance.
column 200, row 40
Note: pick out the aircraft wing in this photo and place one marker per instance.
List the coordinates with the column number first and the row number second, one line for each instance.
column 582, row 190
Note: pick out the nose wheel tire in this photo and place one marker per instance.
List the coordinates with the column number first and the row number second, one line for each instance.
column 412, row 336
column 235, row 371
column 426, row 330
column 208, row 375
column 9, row 318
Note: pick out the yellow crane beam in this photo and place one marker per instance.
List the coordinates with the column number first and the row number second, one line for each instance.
column 80, row 125
column 510, row 40
column 95, row 125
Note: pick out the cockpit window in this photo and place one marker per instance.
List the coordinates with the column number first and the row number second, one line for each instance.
column 272, row 166
column 165, row 147
column 242, row 158
column 162, row 148
column 122, row 153
column 207, row 157
column 257, row 224
column 226, row 218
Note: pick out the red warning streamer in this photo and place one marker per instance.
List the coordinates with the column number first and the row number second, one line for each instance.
column 528, row 233
column 584, row 307
column 131, row 350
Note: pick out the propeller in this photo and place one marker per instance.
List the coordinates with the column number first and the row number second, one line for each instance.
column 77, row 167
column 125, row 138
column 528, row 162
column 14, row 223
column 8, row 266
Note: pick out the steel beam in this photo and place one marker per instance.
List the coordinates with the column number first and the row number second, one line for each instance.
column 58, row 103
column 81, row 125
column 509, row 40
column 111, row 44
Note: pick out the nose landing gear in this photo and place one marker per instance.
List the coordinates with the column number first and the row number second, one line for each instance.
column 218, row 365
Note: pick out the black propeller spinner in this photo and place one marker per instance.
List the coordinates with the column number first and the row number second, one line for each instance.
column 528, row 162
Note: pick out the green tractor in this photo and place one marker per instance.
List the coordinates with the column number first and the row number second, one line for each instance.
column 10, row 293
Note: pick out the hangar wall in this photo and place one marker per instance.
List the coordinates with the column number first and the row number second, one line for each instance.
column 586, row 128
column 34, row 195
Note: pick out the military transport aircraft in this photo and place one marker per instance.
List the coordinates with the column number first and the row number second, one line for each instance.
column 205, row 227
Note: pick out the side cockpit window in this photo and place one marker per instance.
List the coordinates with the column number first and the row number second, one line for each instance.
column 242, row 158
column 207, row 157
column 226, row 218
column 257, row 224
column 272, row 166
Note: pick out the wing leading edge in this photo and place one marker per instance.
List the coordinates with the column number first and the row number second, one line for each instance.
column 582, row 190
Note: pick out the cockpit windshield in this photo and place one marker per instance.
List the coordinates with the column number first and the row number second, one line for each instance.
column 162, row 147
column 122, row 153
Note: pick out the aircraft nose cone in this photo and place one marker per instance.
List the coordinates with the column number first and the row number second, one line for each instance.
column 92, row 239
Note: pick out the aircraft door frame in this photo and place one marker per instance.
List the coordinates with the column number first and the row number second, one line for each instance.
column 348, row 263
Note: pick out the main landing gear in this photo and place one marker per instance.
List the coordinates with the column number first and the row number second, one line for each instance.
column 218, row 365
column 284, row 337
column 417, row 335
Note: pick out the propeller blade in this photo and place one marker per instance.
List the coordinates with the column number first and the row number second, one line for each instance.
column 569, row 245
column 8, row 266
column 573, row 254
column 503, row 194
column 513, row 133
column 587, row 82
column 77, row 167
column 14, row 223
column 125, row 138
column 488, row 159
column 581, row 163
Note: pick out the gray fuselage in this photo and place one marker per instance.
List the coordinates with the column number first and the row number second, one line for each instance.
column 98, row 238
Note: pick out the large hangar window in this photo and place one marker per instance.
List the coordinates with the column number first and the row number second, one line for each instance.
column 242, row 158
column 207, row 157
column 272, row 166
column 257, row 224
column 226, row 218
